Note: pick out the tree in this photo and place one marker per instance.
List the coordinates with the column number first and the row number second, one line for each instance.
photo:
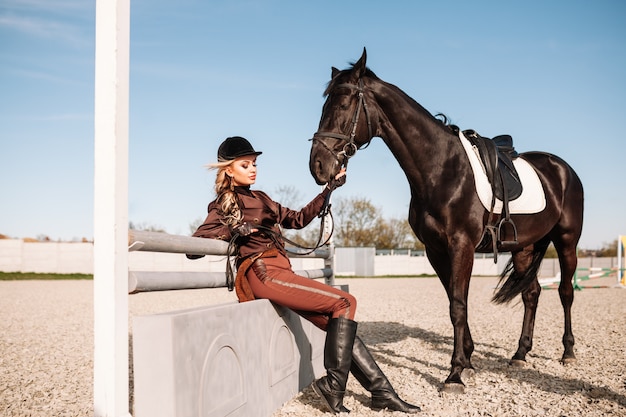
column 396, row 233
column 288, row 196
column 193, row 226
column 360, row 223
column 43, row 238
column 551, row 252
column 355, row 222
column 608, row 249
column 145, row 226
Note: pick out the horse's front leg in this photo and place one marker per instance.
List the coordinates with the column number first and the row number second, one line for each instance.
column 458, row 288
column 468, row 347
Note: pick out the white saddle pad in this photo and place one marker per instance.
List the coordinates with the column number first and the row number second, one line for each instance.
column 532, row 200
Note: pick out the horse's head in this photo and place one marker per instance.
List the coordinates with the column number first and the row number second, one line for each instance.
column 345, row 124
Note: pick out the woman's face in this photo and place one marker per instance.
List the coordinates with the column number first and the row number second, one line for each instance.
column 243, row 170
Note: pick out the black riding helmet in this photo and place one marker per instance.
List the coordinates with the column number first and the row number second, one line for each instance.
column 234, row 147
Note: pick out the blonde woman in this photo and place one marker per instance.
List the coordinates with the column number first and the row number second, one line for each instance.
column 252, row 220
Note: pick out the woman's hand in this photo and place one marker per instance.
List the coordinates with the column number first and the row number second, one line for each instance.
column 244, row 229
column 338, row 181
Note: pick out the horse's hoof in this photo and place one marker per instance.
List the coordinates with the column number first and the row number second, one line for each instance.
column 568, row 361
column 517, row 363
column 453, row 388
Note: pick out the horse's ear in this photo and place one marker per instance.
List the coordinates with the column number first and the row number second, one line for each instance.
column 360, row 65
column 334, row 72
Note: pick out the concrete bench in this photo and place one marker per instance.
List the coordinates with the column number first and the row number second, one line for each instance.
column 225, row 360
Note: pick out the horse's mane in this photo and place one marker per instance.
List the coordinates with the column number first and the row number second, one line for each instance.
column 441, row 118
column 445, row 121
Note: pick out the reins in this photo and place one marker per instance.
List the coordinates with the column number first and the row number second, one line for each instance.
column 232, row 244
column 324, row 212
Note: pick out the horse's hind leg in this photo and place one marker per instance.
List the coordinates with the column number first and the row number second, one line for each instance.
column 530, row 297
column 568, row 262
column 565, row 236
column 527, row 262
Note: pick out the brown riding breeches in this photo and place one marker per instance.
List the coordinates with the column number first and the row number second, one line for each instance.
column 272, row 278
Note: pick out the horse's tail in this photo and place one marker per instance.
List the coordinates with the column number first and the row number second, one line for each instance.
column 518, row 282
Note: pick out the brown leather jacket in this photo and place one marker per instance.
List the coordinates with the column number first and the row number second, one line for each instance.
column 259, row 209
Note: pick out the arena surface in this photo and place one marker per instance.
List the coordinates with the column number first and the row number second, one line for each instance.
column 46, row 349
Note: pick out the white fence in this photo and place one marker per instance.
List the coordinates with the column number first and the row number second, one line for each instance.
column 51, row 257
column 64, row 258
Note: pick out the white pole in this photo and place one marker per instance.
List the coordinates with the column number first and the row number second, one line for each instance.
column 620, row 256
column 111, row 397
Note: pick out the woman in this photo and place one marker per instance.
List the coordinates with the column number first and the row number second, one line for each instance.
column 264, row 271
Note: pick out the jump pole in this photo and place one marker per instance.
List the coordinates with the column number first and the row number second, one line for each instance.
column 111, row 392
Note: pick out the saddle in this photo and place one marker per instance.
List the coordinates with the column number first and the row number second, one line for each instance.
column 496, row 156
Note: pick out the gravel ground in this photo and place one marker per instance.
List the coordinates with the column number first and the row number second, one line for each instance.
column 46, row 349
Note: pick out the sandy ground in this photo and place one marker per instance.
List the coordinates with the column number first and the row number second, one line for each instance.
column 46, row 349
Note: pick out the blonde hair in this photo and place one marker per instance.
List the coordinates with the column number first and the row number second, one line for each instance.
column 226, row 196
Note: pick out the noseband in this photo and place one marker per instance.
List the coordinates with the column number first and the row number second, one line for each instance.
column 349, row 147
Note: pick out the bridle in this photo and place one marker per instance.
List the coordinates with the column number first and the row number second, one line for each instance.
column 349, row 148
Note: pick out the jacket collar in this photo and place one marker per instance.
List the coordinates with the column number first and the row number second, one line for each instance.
column 243, row 189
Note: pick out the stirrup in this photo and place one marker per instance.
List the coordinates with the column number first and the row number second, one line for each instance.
column 504, row 243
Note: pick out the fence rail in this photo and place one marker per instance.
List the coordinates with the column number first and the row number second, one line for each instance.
column 142, row 281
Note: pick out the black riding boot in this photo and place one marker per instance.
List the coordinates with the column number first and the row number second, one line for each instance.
column 331, row 388
column 367, row 372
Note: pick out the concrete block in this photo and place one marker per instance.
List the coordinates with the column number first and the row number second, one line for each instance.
column 227, row 360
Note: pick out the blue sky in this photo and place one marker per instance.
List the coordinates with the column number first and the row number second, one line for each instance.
column 550, row 73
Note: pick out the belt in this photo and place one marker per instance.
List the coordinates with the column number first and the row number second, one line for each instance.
column 242, row 286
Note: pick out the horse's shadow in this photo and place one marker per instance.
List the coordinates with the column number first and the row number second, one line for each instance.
column 377, row 333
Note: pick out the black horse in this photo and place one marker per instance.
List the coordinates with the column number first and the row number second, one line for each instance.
column 445, row 211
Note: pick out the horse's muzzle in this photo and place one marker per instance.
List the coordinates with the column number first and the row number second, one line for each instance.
column 323, row 164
